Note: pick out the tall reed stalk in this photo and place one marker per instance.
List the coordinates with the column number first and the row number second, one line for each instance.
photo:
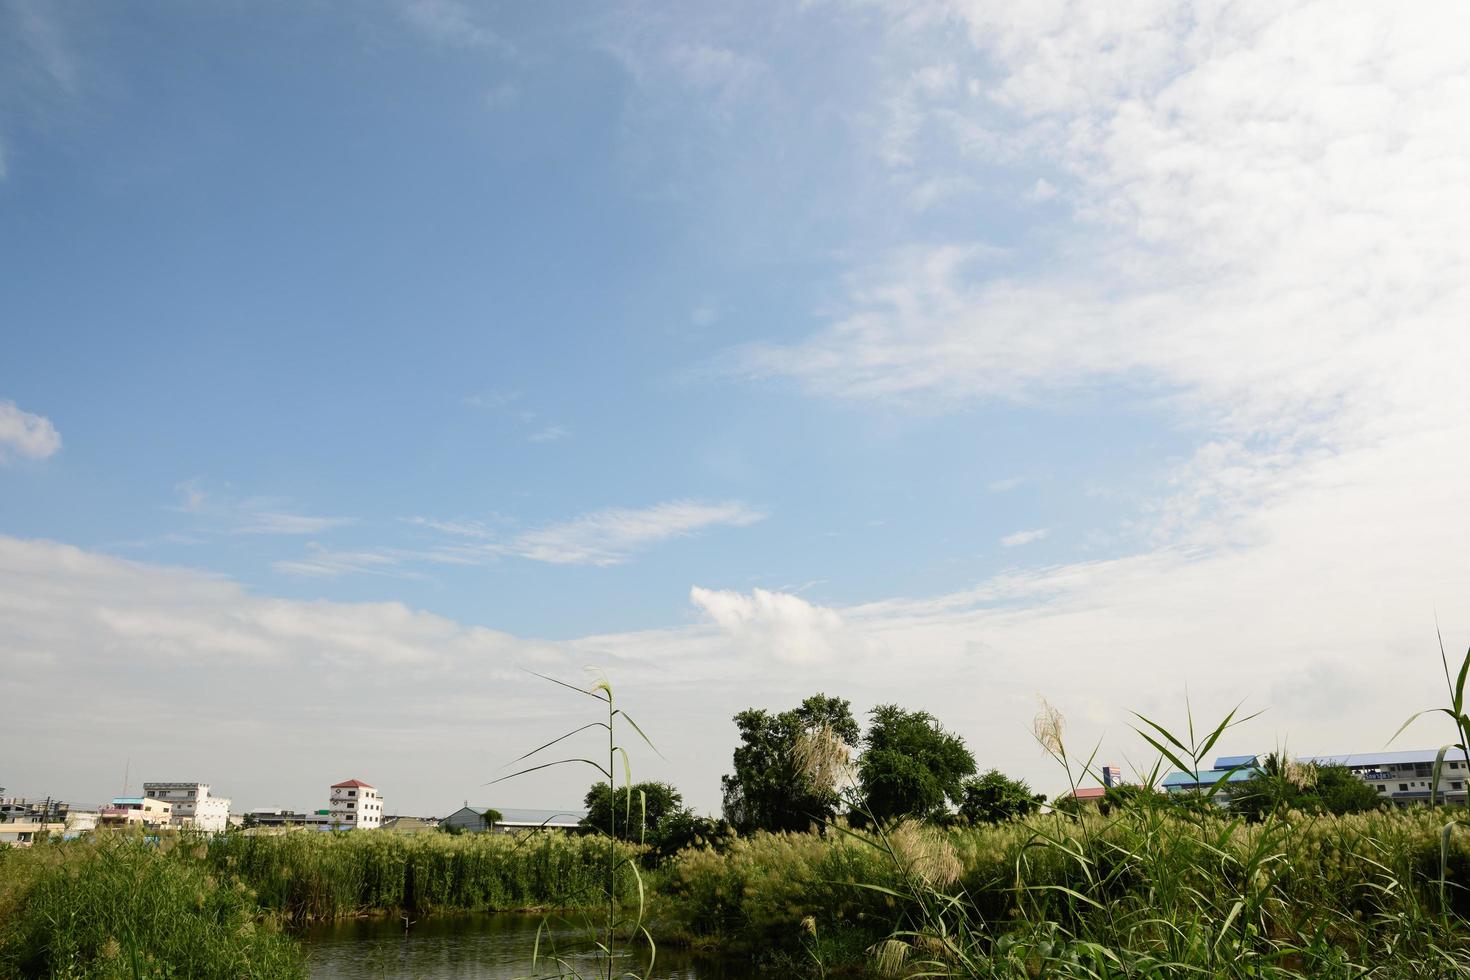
column 617, row 859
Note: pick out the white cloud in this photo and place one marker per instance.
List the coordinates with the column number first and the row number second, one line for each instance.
column 1265, row 244
column 256, row 515
column 549, row 433
column 1042, row 190
column 25, row 435
column 453, row 23
column 266, row 522
column 608, row 537
column 726, row 74
column 1024, row 537
column 774, row 623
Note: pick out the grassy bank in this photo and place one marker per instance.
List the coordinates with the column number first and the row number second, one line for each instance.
column 1140, row 893
column 123, row 907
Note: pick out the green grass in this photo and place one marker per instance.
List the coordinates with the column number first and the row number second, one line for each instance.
column 1144, row 892
column 308, row 875
column 123, row 907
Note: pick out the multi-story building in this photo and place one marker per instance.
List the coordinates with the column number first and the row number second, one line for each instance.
column 1402, row 778
column 135, row 810
column 44, row 811
column 355, row 805
column 192, row 805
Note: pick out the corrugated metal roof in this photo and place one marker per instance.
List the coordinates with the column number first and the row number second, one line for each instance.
column 1207, row 777
column 532, row 818
column 1407, row 756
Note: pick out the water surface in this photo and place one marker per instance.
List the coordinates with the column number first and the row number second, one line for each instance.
column 473, row 947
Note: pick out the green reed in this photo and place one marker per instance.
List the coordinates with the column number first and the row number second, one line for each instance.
column 122, row 906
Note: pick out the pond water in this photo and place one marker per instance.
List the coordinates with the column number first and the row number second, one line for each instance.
column 474, row 947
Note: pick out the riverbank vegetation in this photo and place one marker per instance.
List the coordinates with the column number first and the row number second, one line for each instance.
column 901, row 864
column 120, row 906
column 1143, row 891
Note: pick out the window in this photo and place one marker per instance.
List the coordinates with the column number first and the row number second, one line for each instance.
column 352, row 792
column 1382, row 789
column 351, row 805
column 1403, row 787
column 1455, row 784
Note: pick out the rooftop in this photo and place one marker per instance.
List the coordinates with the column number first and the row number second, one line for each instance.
column 1352, row 760
column 352, row 783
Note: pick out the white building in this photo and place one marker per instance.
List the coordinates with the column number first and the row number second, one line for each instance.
column 1402, row 778
column 355, row 804
column 192, row 805
column 143, row 811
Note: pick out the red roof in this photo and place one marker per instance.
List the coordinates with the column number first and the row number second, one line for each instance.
column 352, row 782
column 1087, row 793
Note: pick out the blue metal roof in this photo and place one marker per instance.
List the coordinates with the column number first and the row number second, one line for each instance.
column 1410, row 757
column 1207, row 777
column 1360, row 759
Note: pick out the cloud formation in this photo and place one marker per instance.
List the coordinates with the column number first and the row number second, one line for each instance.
column 773, row 623
column 608, row 537
column 1024, row 537
column 25, row 435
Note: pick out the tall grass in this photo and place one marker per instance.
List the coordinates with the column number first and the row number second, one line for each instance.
column 309, row 875
column 1139, row 892
column 120, row 906
column 621, row 879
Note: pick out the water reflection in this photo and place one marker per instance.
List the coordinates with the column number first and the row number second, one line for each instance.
column 482, row 947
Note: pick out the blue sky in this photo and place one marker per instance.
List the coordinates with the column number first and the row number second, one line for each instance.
column 857, row 346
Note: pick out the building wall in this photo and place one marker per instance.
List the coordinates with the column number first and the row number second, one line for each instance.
column 193, row 806
column 356, row 807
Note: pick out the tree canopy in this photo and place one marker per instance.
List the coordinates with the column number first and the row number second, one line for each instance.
column 635, row 813
column 995, row 798
column 1283, row 784
column 910, row 765
column 773, row 787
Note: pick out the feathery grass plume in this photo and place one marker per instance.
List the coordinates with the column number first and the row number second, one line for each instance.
column 926, row 853
column 1302, row 775
column 890, row 956
column 1048, row 726
column 824, row 759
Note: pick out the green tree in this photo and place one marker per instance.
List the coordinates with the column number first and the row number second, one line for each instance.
column 1283, row 784
column 773, row 787
column 996, row 798
column 910, row 765
column 1127, row 796
column 491, row 816
column 635, row 813
column 1336, row 790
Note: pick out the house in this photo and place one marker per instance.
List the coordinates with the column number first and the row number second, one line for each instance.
column 23, row 833
column 193, row 806
column 289, row 819
column 46, row 811
column 1111, row 776
column 355, row 804
column 472, row 818
column 128, row 811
